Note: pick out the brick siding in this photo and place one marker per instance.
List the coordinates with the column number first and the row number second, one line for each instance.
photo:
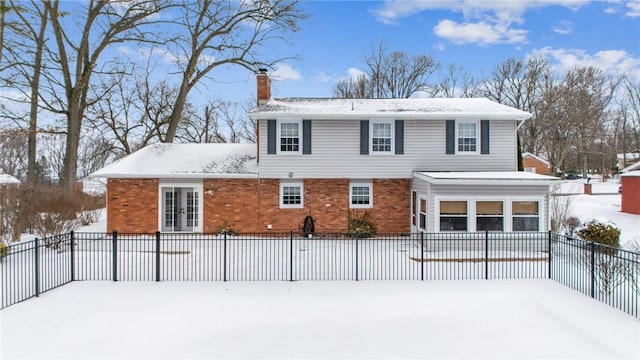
column 541, row 167
column 250, row 205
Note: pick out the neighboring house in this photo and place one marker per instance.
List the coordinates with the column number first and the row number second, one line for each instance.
column 6, row 179
column 632, row 167
column 414, row 164
column 624, row 160
column 92, row 186
column 630, row 194
column 535, row 164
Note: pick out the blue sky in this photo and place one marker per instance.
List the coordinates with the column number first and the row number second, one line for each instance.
column 477, row 35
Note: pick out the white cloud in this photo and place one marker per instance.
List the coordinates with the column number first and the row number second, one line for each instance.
column 633, row 8
column 354, row 73
column 485, row 22
column 322, row 77
column 563, row 28
column 480, row 33
column 285, row 72
column 612, row 62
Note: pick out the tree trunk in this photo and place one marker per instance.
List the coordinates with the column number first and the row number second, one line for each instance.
column 35, row 95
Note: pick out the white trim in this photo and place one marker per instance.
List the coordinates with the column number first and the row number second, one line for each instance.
column 279, row 123
column 391, row 124
column 368, row 184
column 500, row 178
column 507, row 209
column 197, row 187
column 476, row 122
column 291, row 183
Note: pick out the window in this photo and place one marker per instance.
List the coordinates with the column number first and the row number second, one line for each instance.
column 289, row 137
column 180, row 207
column 414, row 207
column 467, row 137
column 360, row 195
column 423, row 213
column 291, row 194
column 453, row 216
column 525, row 215
column 381, row 136
column 489, row 216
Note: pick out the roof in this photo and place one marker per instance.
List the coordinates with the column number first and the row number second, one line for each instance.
column 628, row 156
column 186, row 161
column 530, row 155
column 634, row 166
column 413, row 108
column 8, row 179
column 486, row 178
column 632, row 173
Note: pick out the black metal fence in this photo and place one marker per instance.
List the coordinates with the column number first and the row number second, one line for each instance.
column 607, row 274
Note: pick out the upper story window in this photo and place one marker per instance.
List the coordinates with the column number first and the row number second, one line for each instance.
column 289, row 137
column 381, row 137
column 467, row 137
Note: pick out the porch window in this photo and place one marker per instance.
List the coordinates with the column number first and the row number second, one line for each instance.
column 423, row 213
column 525, row 215
column 489, row 216
column 414, row 207
column 453, row 216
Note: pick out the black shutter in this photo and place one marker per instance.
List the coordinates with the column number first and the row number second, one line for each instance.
column 451, row 137
column 484, row 136
column 306, row 136
column 364, row 137
column 399, row 137
column 271, row 136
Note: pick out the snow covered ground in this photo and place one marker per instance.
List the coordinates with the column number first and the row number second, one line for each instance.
column 337, row 319
column 382, row 319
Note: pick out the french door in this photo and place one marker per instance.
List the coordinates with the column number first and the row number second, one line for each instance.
column 180, row 209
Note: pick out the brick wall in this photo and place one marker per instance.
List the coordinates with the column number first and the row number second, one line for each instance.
column 541, row 167
column 630, row 194
column 250, row 205
column 132, row 205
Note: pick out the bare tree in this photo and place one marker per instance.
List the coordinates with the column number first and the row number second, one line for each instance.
column 216, row 33
column 353, row 88
column 389, row 75
column 14, row 153
column 220, row 122
column 454, row 83
column 520, row 83
column 78, row 53
column 133, row 110
column 554, row 120
column 632, row 112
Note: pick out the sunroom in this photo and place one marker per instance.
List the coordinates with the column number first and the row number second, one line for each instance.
column 480, row 201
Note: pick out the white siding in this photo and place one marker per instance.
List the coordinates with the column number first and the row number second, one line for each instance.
column 336, row 152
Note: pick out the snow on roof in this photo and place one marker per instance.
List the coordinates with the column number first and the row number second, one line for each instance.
column 628, row 156
column 634, row 166
column 413, row 108
column 632, row 173
column 8, row 179
column 539, row 158
column 486, row 177
column 186, row 161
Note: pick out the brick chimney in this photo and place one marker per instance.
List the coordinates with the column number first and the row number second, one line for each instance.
column 264, row 86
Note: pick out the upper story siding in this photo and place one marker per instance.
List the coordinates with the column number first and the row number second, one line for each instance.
column 335, row 152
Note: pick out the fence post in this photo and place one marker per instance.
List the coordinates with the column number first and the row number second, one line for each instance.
column 157, row 256
column 114, row 256
column 224, row 257
column 593, row 267
column 73, row 267
column 421, row 255
column 357, row 277
column 291, row 256
column 486, row 254
column 36, row 257
column 549, row 252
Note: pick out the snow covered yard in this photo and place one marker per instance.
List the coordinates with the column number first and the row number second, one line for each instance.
column 382, row 319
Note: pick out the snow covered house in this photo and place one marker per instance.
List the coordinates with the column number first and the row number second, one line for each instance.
column 8, row 180
column 413, row 164
column 535, row 164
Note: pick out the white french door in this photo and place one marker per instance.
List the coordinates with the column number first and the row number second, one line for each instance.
column 180, row 209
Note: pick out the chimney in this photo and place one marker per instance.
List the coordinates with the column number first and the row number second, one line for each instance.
column 264, row 86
